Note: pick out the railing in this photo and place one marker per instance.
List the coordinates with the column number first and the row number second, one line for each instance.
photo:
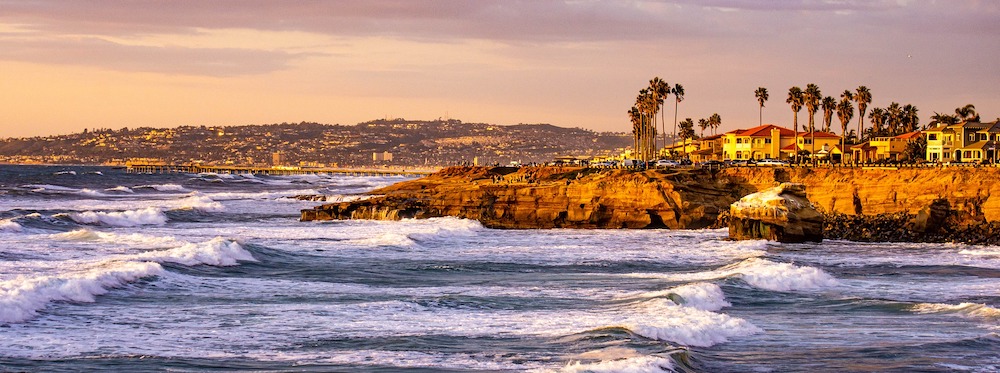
column 195, row 169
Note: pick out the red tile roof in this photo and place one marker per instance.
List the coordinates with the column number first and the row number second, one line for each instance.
column 909, row 135
column 763, row 131
column 819, row 134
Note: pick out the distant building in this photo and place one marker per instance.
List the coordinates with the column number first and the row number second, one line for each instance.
column 277, row 158
column 382, row 157
column 963, row 142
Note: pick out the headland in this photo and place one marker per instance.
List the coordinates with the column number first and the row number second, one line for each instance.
column 917, row 205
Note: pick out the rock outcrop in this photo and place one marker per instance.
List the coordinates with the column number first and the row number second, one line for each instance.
column 549, row 197
column 780, row 214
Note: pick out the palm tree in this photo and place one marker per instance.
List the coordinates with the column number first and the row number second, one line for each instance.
column 703, row 124
column 795, row 100
column 678, row 92
column 845, row 111
column 811, row 98
column 636, row 117
column 864, row 97
column 910, row 119
column 894, row 115
column 967, row 113
column 660, row 90
column 878, row 118
column 687, row 132
column 829, row 106
column 762, row 97
column 939, row 119
column 715, row 120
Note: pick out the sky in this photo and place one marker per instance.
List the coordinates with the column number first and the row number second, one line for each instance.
column 70, row 65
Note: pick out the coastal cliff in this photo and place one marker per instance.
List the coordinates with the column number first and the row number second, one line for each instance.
column 858, row 204
column 549, row 197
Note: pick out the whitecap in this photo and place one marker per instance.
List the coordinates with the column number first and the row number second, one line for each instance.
column 975, row 310
column 760, row 273
column 127, row 218
column 700, row 295
column 216, row 252
column 120, row 188
column 21, row 298
column 163, row 187
column 198, row 202
column 8, row 225
column 640, row 364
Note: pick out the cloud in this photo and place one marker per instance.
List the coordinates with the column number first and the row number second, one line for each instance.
column 89, row 51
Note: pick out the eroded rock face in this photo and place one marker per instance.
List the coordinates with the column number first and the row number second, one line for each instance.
column 548, row 197
column 780, row 214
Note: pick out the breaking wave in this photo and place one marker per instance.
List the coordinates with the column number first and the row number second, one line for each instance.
column 127, row 218
column 22, row 297
column 120, row 188
column 763, row 274
column 700, row 295
column 640, row 364
column 8, row 225
column 975, row 310
column 164, row 187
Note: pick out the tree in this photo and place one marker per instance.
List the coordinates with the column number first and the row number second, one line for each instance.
column 845, row 111
column 795, row 100
column 939, row 119
column 910, row 119
column 829, row 106
column 894, row 114
column 660, row 90
column 678, row 92
column 915, row 149
column 878, row 118
column 967, row 113
column 636, row 117
column 703, row 124
column 687, row 132
column 714, row 121
column 863, row 97
column 761, row 94
column 811, row 98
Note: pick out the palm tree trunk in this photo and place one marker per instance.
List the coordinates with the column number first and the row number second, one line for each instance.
column 675, row 121
column 760, row 115
column 795, row 145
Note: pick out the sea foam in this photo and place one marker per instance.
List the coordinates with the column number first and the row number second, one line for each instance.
column 974, row 310
column 760, row 273
column 8, row 225
column 22, row 297
column 163, row 187
column 641, row 364
column 127, row 218
column 700, row 295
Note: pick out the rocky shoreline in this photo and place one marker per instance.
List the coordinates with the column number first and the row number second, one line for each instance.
column 856, row 205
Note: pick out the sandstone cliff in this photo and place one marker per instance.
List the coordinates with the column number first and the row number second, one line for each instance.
column 589, row 198
column 546, row 197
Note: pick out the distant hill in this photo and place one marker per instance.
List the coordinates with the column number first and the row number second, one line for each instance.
column 411, row 142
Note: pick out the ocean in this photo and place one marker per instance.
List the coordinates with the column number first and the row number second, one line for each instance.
column 106, row 271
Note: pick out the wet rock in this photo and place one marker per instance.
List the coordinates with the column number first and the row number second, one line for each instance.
column 780, row 214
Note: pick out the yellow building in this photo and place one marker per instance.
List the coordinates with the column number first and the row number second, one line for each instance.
column 892, row 148
column 759, row 142
column 827, row 145
column 709, row 148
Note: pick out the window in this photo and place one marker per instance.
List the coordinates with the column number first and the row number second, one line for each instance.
column 983, row 137
column 932, row 136
column 768, row 140
column 972, row 137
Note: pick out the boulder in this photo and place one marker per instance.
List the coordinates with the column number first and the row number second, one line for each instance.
column 782, row 214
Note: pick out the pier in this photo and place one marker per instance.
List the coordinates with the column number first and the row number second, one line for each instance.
column 153, row 168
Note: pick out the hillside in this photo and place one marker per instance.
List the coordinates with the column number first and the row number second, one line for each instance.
column 412, row 143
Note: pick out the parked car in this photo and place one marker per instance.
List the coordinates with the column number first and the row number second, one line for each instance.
column 743, row 162
column 632, row 163
column 772, row 162
column 663, row 163
column 711, row 164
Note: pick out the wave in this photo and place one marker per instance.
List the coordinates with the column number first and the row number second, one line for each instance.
column 700, row 295
column 664, row 320
column 641, row 364
column 8, row 225
column 974, row 310
column 22, row 297
column 763, row 274
column 91, row 193
column 226, row 196
column 443, row 228
column 117, row 238
column 49, row 188
column 198, row 201
column 65, row 173
column 386, row 239
column 216, row 252
column 984, row 251
column 127, row 218
column 120, row 188
column 163, row 187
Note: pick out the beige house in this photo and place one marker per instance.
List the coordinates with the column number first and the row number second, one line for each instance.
column 891, row 147
column 758, row 142
column 963, row 142
column 709, row 148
